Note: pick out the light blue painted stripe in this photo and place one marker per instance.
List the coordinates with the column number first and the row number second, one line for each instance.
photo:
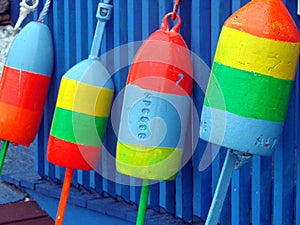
column 90, row 72
column 152, row 118
column 32, row 50
column 239, row 133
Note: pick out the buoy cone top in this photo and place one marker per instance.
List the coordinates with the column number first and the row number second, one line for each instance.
column 266, row 19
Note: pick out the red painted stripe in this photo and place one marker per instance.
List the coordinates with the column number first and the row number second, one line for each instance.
column 23, row 89
column 161, row 78
column 70, row 155
column 266, row 19
column 160, row 63
column 18, row 125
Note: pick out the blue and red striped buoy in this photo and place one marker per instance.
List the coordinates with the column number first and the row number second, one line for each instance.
column 24, row 83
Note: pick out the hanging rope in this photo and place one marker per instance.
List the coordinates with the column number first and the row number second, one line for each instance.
column 44, row 12
column 175, row 9
column 26, row 9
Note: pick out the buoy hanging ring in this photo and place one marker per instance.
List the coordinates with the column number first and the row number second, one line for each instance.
column 165, row 23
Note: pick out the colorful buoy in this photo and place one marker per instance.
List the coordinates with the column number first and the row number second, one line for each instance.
column 251, row 79
column 156, row 107
column 24, row 83
column 249, row 88
column 155, row 110
column 81, row 113
column 80, row 117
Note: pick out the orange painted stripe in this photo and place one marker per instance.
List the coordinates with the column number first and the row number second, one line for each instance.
column 18, row 125
column 70, row 155
column 23, row 89
column 266, row 19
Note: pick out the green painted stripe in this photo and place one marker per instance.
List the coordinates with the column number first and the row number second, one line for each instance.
column 78, row 128
column 248, row 94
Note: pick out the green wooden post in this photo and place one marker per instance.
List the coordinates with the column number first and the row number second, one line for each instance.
column 3, row 154
column 143, row 203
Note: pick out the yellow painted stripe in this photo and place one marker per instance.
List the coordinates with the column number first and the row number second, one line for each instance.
column 243, row 51
column 84, row 98
column 148, row 162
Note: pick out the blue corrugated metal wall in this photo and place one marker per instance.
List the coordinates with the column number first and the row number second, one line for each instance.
column 265, row 191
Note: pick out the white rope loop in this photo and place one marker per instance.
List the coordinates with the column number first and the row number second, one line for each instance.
column 25, row 10
column 45, row 10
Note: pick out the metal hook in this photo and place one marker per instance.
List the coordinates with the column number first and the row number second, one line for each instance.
column 25, row 9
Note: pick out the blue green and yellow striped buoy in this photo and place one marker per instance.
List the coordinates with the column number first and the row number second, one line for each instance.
column 251, row 79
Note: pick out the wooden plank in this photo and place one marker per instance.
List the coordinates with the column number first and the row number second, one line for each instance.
column 69, row 32
column 37, row 221
column 134, row 35
column 20, row 211
column 297, row 132
column 220, row 10
column 170, row 196
column 261, row 198
column 154, row 197
column 120, row 38
column 92, row 7
column 150, row 16
column 202, row 191
column 41, row 164
column 200, row 46
column 240, row 195
column 284, row 167
column 81, row 30
column 187, row 192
